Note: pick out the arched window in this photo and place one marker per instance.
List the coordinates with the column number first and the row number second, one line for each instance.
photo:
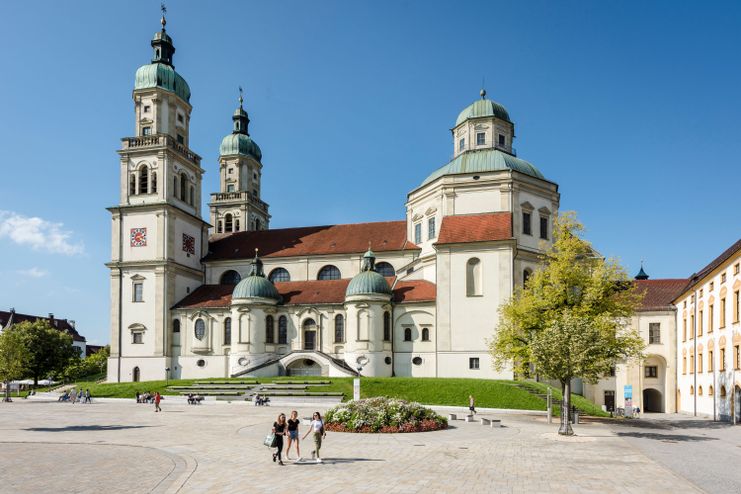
column 200, row 329
column 385, row 269
column 174, row 186
column 339, row 328
column 473, row 277
column 282, row 330
column 192, row 197
column 407, row 334
column 425, row 334
column 176, row 326
column 183, row 186
column 692, row 390
column 699, row 391
column 154, row 182
column 386, row 326
column 269, row 330
column 329, row 272
column 132, row 184
column 228, row 331
column 279, row 275
column 711, row 390
column 143, row 180
column 228, row 222
column 309, row 328
column 722, row 391
column 526, row 275
column 135, row 375
column 257, row 224
column 220, row 227
column 230, row 277
column 236, row 224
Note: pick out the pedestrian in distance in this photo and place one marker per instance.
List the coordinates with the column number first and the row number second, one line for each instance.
column 73, row 395
column 88, row 398
column 157, row 399
column 279, row 429
column 293, row 424
column 316, row 428
column 471, row 405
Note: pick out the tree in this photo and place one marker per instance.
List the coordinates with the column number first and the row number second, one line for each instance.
column 93, row 365
column 14, row 358
column 50, row 349
column 572, row 317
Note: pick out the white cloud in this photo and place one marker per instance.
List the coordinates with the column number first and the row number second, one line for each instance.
column 38, row 234
column 33, row 272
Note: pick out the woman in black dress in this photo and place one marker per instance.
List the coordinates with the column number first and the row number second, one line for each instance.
column 279, row 429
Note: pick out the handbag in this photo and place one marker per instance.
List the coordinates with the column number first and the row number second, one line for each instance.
column 271, row 441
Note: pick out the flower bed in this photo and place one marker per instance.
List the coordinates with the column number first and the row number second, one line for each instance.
column 383, row 414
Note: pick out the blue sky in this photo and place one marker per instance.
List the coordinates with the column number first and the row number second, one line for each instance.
column 633, row 108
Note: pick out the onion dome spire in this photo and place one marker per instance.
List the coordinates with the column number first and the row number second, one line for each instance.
column 369, row 260
column 240, row 117
column 256, row 267
column 642, row 274
column 162, row 43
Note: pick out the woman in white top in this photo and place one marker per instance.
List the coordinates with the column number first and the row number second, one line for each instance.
column 316, row 428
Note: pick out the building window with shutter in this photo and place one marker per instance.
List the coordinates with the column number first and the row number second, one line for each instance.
column 654, row 333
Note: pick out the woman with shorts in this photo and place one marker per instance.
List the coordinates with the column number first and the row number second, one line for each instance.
column 293, row 424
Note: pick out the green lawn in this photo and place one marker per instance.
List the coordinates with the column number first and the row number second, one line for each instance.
column 579, row 401
column 432, row 391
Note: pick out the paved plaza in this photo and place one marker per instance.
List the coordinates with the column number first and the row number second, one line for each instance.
column 126, row 447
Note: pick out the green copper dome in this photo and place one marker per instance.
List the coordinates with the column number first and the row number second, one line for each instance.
column 484, row 160
column 368, row 281
column 255, row 285
column 483, row 108
column 240, row 144
column 162, row 76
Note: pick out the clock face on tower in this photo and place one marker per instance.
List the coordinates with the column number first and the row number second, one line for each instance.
column 189, row 244
column 138, row 237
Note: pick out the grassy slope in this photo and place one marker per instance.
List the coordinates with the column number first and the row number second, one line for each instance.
column 454, row 392
column 581, row 403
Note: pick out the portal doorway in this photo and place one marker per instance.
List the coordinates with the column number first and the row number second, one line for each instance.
column 652, row 401
column 135, row 375
column 309, row 328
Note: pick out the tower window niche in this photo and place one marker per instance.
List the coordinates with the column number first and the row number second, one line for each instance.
column 144, row 180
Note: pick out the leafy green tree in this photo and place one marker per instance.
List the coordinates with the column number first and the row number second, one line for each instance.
column 50, row 349
column 93, row 365
column 572, row 317
column 14, row 358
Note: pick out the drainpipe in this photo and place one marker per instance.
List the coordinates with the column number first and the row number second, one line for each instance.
column 694, row 359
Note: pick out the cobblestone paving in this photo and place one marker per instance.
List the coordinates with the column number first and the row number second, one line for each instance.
column 125, row 447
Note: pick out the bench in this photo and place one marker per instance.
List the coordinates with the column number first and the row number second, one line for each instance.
column 452, row 416
column 469, row 418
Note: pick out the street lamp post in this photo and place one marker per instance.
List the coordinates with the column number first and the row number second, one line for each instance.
column 167, row 376
column 361, row 361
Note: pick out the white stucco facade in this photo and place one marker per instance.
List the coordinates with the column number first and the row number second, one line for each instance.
column 189, row 299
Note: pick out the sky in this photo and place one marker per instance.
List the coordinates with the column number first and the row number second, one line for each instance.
column 631, row 107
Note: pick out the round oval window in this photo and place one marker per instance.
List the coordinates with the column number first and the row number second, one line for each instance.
column 201, row 363
column 387, row 360
column 417, row 360
column 200, row 329
column 243, row 361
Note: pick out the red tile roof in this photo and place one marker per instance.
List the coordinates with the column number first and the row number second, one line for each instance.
column 62, row 325
column 414, row 291
column 311, row 240
column 306, row 293
column 660, row 293
column 475, row 228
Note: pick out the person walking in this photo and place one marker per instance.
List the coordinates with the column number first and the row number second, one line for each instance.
column 279, row 429
column 73, row 395
column 157, row 399
column 293, row 424
column 471, row 405
column 88, row 398
column 317, row 428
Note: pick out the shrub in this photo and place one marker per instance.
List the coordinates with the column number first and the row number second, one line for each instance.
column 381, row 414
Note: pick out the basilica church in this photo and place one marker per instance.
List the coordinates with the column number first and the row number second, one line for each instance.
column 227, row 295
